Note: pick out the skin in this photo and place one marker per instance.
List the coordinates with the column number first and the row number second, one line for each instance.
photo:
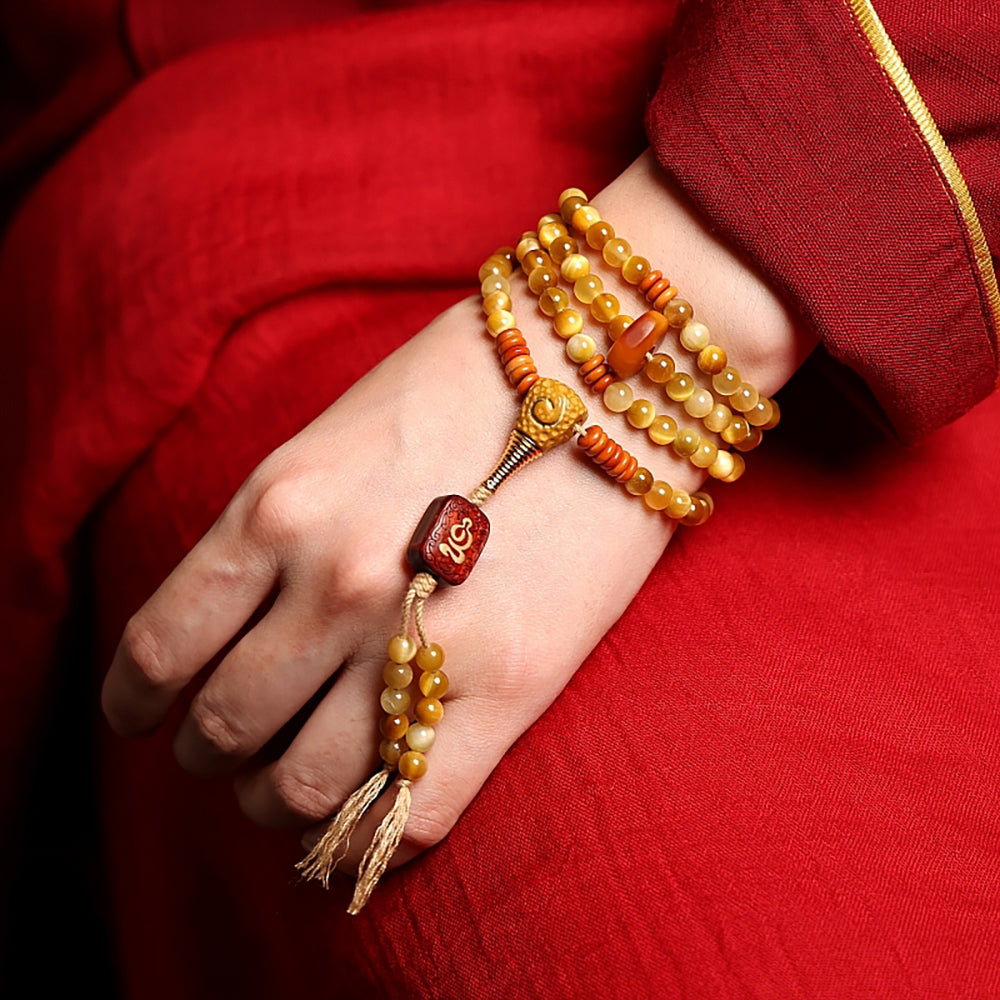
column 547, row 588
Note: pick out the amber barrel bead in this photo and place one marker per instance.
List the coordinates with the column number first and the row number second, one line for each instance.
column 627, row 355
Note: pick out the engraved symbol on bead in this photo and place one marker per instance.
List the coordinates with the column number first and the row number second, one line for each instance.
column 460, row 537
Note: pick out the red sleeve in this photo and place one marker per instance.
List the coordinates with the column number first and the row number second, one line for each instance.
column 796, row 134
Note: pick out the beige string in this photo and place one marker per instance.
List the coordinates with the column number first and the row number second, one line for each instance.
column 479, row 495
column 421, row 587
column 383, row 846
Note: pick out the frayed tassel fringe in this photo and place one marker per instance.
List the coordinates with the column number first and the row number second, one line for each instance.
column 383, row 846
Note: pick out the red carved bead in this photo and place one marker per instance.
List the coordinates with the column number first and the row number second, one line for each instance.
column 449, row 539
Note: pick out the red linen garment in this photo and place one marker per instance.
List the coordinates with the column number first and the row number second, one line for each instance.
column 774, row 777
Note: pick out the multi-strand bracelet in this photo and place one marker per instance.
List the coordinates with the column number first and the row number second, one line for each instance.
column 453, row 530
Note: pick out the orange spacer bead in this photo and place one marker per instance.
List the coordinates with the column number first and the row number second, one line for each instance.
column 595, row 375
column 590, row 436
column 527, row 382
column 588, row 366
column 656, row 289
column 603, row 382
column 608, row 453
column 518, row 368
column 629, row 471
column 651, row 279
column 664, row 297
column 515, row 351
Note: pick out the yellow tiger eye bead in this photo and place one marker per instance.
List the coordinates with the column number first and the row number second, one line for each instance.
column 640, row 482
column 604, row 307
column 678, row 312
column 718, row 420
column 420, row 737
column 737, row 430
column 569, row 206
column 567, row 323
column 496, row 300
column 391, row 750
column 401, row 649
column 571, row 193
column 429, row 711
column 699, row 404
column 687, row 441
column 393, row 727
column 580, row 347
column 711, row 359
column 635, row 269
column 641, row 414
column 412, row 765
column 599, row 233
column 753, row 438
column 705, row 454
column 587, row 288
column 394, row 701
column 547, row 218
column 574, row 267
column 618, row 397
column 561, row 248
column 550, row 232
column 775, row 416
column 745, row 398
column 433, row 684
column 553, row 300
column 660, row 368
column 658, row 495
column 726, row 382
column 584, row 217
column 679, row 386
column 535, row 258
column 526, row 243
column 542, row 278
column 619, row 325
column 663, row 429
column 495, row 283
column 701, row 509
column 761, row 413
column 615, row 252
column 722, row 466
column 397, row 675
column 499, row 321
column 430, row 657
column 694, row 336
column 739, row 467
column 495, row 265
column 679, row 505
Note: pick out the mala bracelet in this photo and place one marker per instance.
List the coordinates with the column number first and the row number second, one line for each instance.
column 453, row 531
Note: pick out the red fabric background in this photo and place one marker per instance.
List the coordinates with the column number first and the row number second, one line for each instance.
column 773, row 778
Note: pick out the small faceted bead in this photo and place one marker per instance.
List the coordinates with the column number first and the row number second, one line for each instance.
column 615, row 252
column 660, row 368
column 550, row 232
column 393, row 727
column 619, row 325
column 495, row 301
column 567, row 323
column 433, row 684
column 726, row 382
column 694, row 336
column 678, row 507
column 580, row 347
column 739, row 467
column 687, row 441
column 495, row 283
column 678, row 312
column 553, row 300
column 722, row 466
column 640, row 483
column 711, row 359
column 420, row 737
column 535, row 258
column 599, row 233
column 737, row 430
column 584, row 217
column 761, row 413
column 561, row 248
column 502, row 319
column 542, row 278
column 429, row 711
column 635, row 269
column 658, row 495
column 618, row 397
column 574, row 267
column 699, row 404
column 705, row 454
column 495, row 265
column 397, row 675
column 641, row 414
column 587, row 288
column 430, row 657
column 663, row 429
column 605, row 307
column 394, row 701
column 718, row 420
column 391, row 750
column 628, row 353
column 412, row 765
column 745, row 398
column 571, row 192
column 753, row 438
column 680, row 387
column 401, row 649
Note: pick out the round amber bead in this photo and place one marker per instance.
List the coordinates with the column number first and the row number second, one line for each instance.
column 535, row 258
column 587, row 288
column 547, row 218
column 499, row 321
column 430, row 657
column 561, row 248
column 722, row 466
column 496, row 301
column 679, row 386
column 495, row 283
column 615, row 252
column 574, row 267
column 429, row 711
column 739, row 467
column 699, row 404
column 604, row 307
column 569, row 205
column 705, row 454
column 694, row 336
column 641, row 414
column 420, row 737
column 394, row 701
column 678, row 312
column 580, row 347
column 599, row 233
column 658, row 495
column 496, row 264
column 635, row 269
column 567, row 323
column 726, row 382
column 663, row 429
column 542, row 278
column 397, row 675
column 753, row 438
column 412, row 765
column 660, row 368
column 711, row 359
column 618, row 397
column 527, row 242
column 760, row 414
column 775, row 416
column 687, row 441
column 679, row 505
column 619, row 325
column 550, row 232
column 641, row 481
column 402, row 649
column 433, row 684
column 718, row 420
column 745, row 398
column 584, row 217
column 737, row 430
column 391, row 750
column 701, row 509
column 553, row 300
column 393, row 727
column 571, row 192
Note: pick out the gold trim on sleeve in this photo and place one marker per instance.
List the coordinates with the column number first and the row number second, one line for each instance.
column 888, row 57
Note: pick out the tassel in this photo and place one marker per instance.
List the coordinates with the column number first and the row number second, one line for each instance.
column 383, row 845
column 330, row 849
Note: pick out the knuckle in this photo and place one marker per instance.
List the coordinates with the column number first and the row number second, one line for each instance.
column 216, row 729
column 302, row 794
column 144, row 648
column 276, row 511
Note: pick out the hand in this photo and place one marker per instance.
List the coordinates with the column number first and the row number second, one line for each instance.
column 322, row 524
